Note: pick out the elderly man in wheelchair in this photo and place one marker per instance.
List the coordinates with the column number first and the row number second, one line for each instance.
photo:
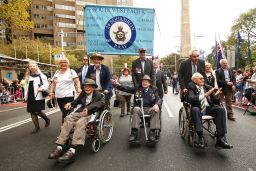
column 91, row 101
column 204, row 101
column 146, row 102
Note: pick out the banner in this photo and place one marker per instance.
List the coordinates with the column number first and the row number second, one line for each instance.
column 118, row 30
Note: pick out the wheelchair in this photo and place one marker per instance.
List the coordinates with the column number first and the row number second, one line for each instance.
column 145, row 122
column 99, row 128
column 187, row 129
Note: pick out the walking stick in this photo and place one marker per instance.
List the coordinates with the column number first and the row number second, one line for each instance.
column 143, row 117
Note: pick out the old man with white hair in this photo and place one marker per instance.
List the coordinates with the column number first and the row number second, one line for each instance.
column 204, row 101
column 227, row 81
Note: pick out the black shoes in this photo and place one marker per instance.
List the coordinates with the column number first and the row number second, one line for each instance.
column 134, row 135
column 231, row 118
column 201, row 143
column 222, row 143
column 69, row 156
column 47, row 123
column 36, row 130
column 152, row 136
column 55, row 154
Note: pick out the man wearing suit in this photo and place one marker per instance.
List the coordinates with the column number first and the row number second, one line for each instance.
column 227, row 81
column 91, row 101
column 160, row 80
column 101, row 75
column 188, row 68
column 203, row 101
column 140, row 67
column 81, row 72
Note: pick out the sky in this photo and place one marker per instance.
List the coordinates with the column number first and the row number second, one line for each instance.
column 207, row 19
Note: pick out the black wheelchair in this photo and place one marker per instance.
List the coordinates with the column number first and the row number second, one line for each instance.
column 99, row 128
column 145, row 122
column 187, row 129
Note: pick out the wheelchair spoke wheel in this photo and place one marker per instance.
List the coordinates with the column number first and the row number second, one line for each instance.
column 105, row 128
column 182, row 122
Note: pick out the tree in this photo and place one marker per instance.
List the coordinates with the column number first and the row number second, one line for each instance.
column 14, row 16
column 168, row 62
column 118, row 63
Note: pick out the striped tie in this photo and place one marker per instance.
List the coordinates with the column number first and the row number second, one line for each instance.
column 202, row 103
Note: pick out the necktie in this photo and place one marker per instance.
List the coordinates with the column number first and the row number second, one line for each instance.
column 202, row 104
column 84, row 74
column 194, row 68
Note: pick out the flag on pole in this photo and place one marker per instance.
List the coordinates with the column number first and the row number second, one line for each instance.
column 219, row 52
column 239, row 41
column 249, row 49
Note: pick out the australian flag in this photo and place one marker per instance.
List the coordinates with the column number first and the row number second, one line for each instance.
column 218, row 54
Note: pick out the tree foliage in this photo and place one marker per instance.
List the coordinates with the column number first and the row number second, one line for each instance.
column 14, row 16
column 119, row 62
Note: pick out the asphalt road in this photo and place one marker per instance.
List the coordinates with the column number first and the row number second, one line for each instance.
column 20, row 150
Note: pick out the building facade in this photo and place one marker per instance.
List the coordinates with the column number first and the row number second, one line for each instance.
column 52, row 16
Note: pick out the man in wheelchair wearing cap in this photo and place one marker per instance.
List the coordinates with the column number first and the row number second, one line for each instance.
column 151, row 106
column 91, row 101
column 203, row 101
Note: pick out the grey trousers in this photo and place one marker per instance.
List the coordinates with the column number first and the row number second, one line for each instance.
column 79, row 124
column 227, row 98
column 154, row 120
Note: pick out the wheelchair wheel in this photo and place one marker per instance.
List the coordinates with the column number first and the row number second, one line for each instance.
column 105, row 127
column 95, row 145
column 182, row 122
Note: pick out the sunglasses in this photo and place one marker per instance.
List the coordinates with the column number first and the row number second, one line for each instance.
column 195, row 56
column 85, row 59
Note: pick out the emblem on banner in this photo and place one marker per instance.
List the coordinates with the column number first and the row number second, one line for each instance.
column 120, row 32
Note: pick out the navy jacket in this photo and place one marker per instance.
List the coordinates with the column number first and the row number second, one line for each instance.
column 105, row 77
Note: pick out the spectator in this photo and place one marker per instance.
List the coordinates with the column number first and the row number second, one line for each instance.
column 125, row 98
column 239, row 86
column 175, row 80
column 209, row 77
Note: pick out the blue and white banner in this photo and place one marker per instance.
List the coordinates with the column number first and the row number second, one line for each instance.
column 118, row 30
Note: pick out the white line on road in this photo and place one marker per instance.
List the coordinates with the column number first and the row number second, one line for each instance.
column 5, row 128
column 168, row 110
column 12, row 109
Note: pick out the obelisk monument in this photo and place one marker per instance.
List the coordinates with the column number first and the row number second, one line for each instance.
column 185, row 45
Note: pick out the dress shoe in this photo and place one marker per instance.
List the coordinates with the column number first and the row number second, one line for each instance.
column 55, row 154
column 232, row 118
column 69, row 156
column 47, row 123
column 36, row 130
column 222, row 143
column 134, row 135
column 200, row 143
column 151, row 136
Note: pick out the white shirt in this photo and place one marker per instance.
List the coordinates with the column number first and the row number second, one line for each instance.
column 84, row 71
column 142, row 65
column 201, row 95
column 98, row 79
column 226, row 73
column 88, row 99
column 64, row 83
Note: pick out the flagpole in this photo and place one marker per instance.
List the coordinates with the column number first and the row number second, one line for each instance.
column 221, row 47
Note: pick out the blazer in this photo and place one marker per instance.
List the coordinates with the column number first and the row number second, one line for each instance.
column 220, row 76
column 185, row 72
column 36, row 85
column 193, row 96
column 97, row 103
column 79, row 72
column 137, row 72
column 161, row 83
column 105, row 77
column 138, row 94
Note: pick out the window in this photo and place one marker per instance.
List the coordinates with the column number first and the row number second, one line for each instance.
column 64, row 7
column 65, row 16
column 66, row 25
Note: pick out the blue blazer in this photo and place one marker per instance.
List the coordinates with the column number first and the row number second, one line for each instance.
column 105, row 77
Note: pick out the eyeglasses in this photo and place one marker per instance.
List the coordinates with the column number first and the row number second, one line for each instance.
column 201, row 78
column 195, row 55
column 86, row 59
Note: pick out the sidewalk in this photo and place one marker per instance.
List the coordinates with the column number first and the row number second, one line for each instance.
column 251, row 109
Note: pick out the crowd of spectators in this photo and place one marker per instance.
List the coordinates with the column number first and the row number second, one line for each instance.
column 11, row 91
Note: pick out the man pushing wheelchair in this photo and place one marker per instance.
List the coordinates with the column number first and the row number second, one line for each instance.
column 146, row 95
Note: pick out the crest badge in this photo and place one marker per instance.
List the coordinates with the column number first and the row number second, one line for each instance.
column 120, row 32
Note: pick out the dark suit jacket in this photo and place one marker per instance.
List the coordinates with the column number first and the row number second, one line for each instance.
column 105, row 77
column 161, row 83
column 185, row 72
column 222, row 82
column 137, row 72
column 80, row 73
column 97, row 103
column 193, row 95
column 138, row 94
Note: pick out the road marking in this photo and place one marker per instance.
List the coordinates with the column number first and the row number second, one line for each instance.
column 5, row 128
column 168, row 110
column 12, row 109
